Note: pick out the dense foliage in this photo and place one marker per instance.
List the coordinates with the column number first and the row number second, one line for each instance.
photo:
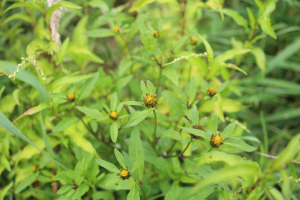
column 149, row 99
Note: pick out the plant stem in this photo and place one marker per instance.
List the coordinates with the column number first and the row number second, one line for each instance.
column 178, row 155
column 182, row 15
column 186, row 147
column 159, row 80
column 154, row 134
column 126, row 44
column 170, row 149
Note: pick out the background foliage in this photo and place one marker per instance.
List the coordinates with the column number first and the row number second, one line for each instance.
column 110, row 58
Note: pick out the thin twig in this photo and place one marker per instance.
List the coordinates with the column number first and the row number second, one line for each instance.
column 274, row 157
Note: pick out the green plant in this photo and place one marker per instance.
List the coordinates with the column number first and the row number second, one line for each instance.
column 161, row 66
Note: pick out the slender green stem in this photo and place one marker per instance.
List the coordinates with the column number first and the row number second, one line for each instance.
column 154, row 134
column 170, row 149
column 126, row 44
column 143, row 192
column 159, row 80
column 186, row 147
column 183, row 151
column 263, row 123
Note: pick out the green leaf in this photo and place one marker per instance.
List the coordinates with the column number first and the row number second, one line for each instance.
column 88, row 86
column 175, row 103
column 80, row 191
column 136, row 150
column 162, row 98
column 192, row 90
column 137, row 163
column 265, row 24
column 119, row 108
column 208, row 48
column 203, row 84
column 214, row 124
column 237, row 18
column 287, row 154
column 195, row 61
column 15, row 96
column 217, row 156
column 4, row 190
column 18, row 16
column 240, row 144
column 196, row 132
column 68, row 80
column 171, row 75
column 100, row 33
column 133, row 103
column 219, row 66
column 203, row 121
column 1, row 90
column 172, row 134
column 169, row 196
column 195, row 115
column 109, row 166
column 227, row 55
column 222, row 86
column 228, row 130
column 142, row 115
column 26, row 182
column 260, row 58
column 227, row 173
column 134, row 193
column 114, row 131
column 103, row 195
column 62, row 51
column 33, row 110
column 59, row 4
column 64, row 124
column 144, row 88
column 93, row 113
column 251, row 18
column 150, row 87
column 120, row 158
column 5, row 163
column 26, row 4
column 64, row 189
column 276, row 194
column 114, row 102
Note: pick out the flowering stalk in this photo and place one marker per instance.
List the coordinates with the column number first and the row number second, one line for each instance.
column 154, row 134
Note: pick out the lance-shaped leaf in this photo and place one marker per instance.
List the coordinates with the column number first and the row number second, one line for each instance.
column 114, row 102
column 196, row 132
column 142, row 116
column 109, row 166
column 240, row 144
column 64, row 124
column 227, row 173
column 120, row 158
column 33, row 110
column 228, row 130
column 93, row 113
column 222, row 86
column 114, row 131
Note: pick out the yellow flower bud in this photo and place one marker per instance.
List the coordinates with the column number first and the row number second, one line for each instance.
column 125, row 174
column 150, row 100
column 71, row 97
column 155, row 33
column 117, row 29
column 194, row 40
column 211, row 92
column 216, row 140
column 113, row 115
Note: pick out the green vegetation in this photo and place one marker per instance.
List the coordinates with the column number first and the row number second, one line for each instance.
column 149, row 99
